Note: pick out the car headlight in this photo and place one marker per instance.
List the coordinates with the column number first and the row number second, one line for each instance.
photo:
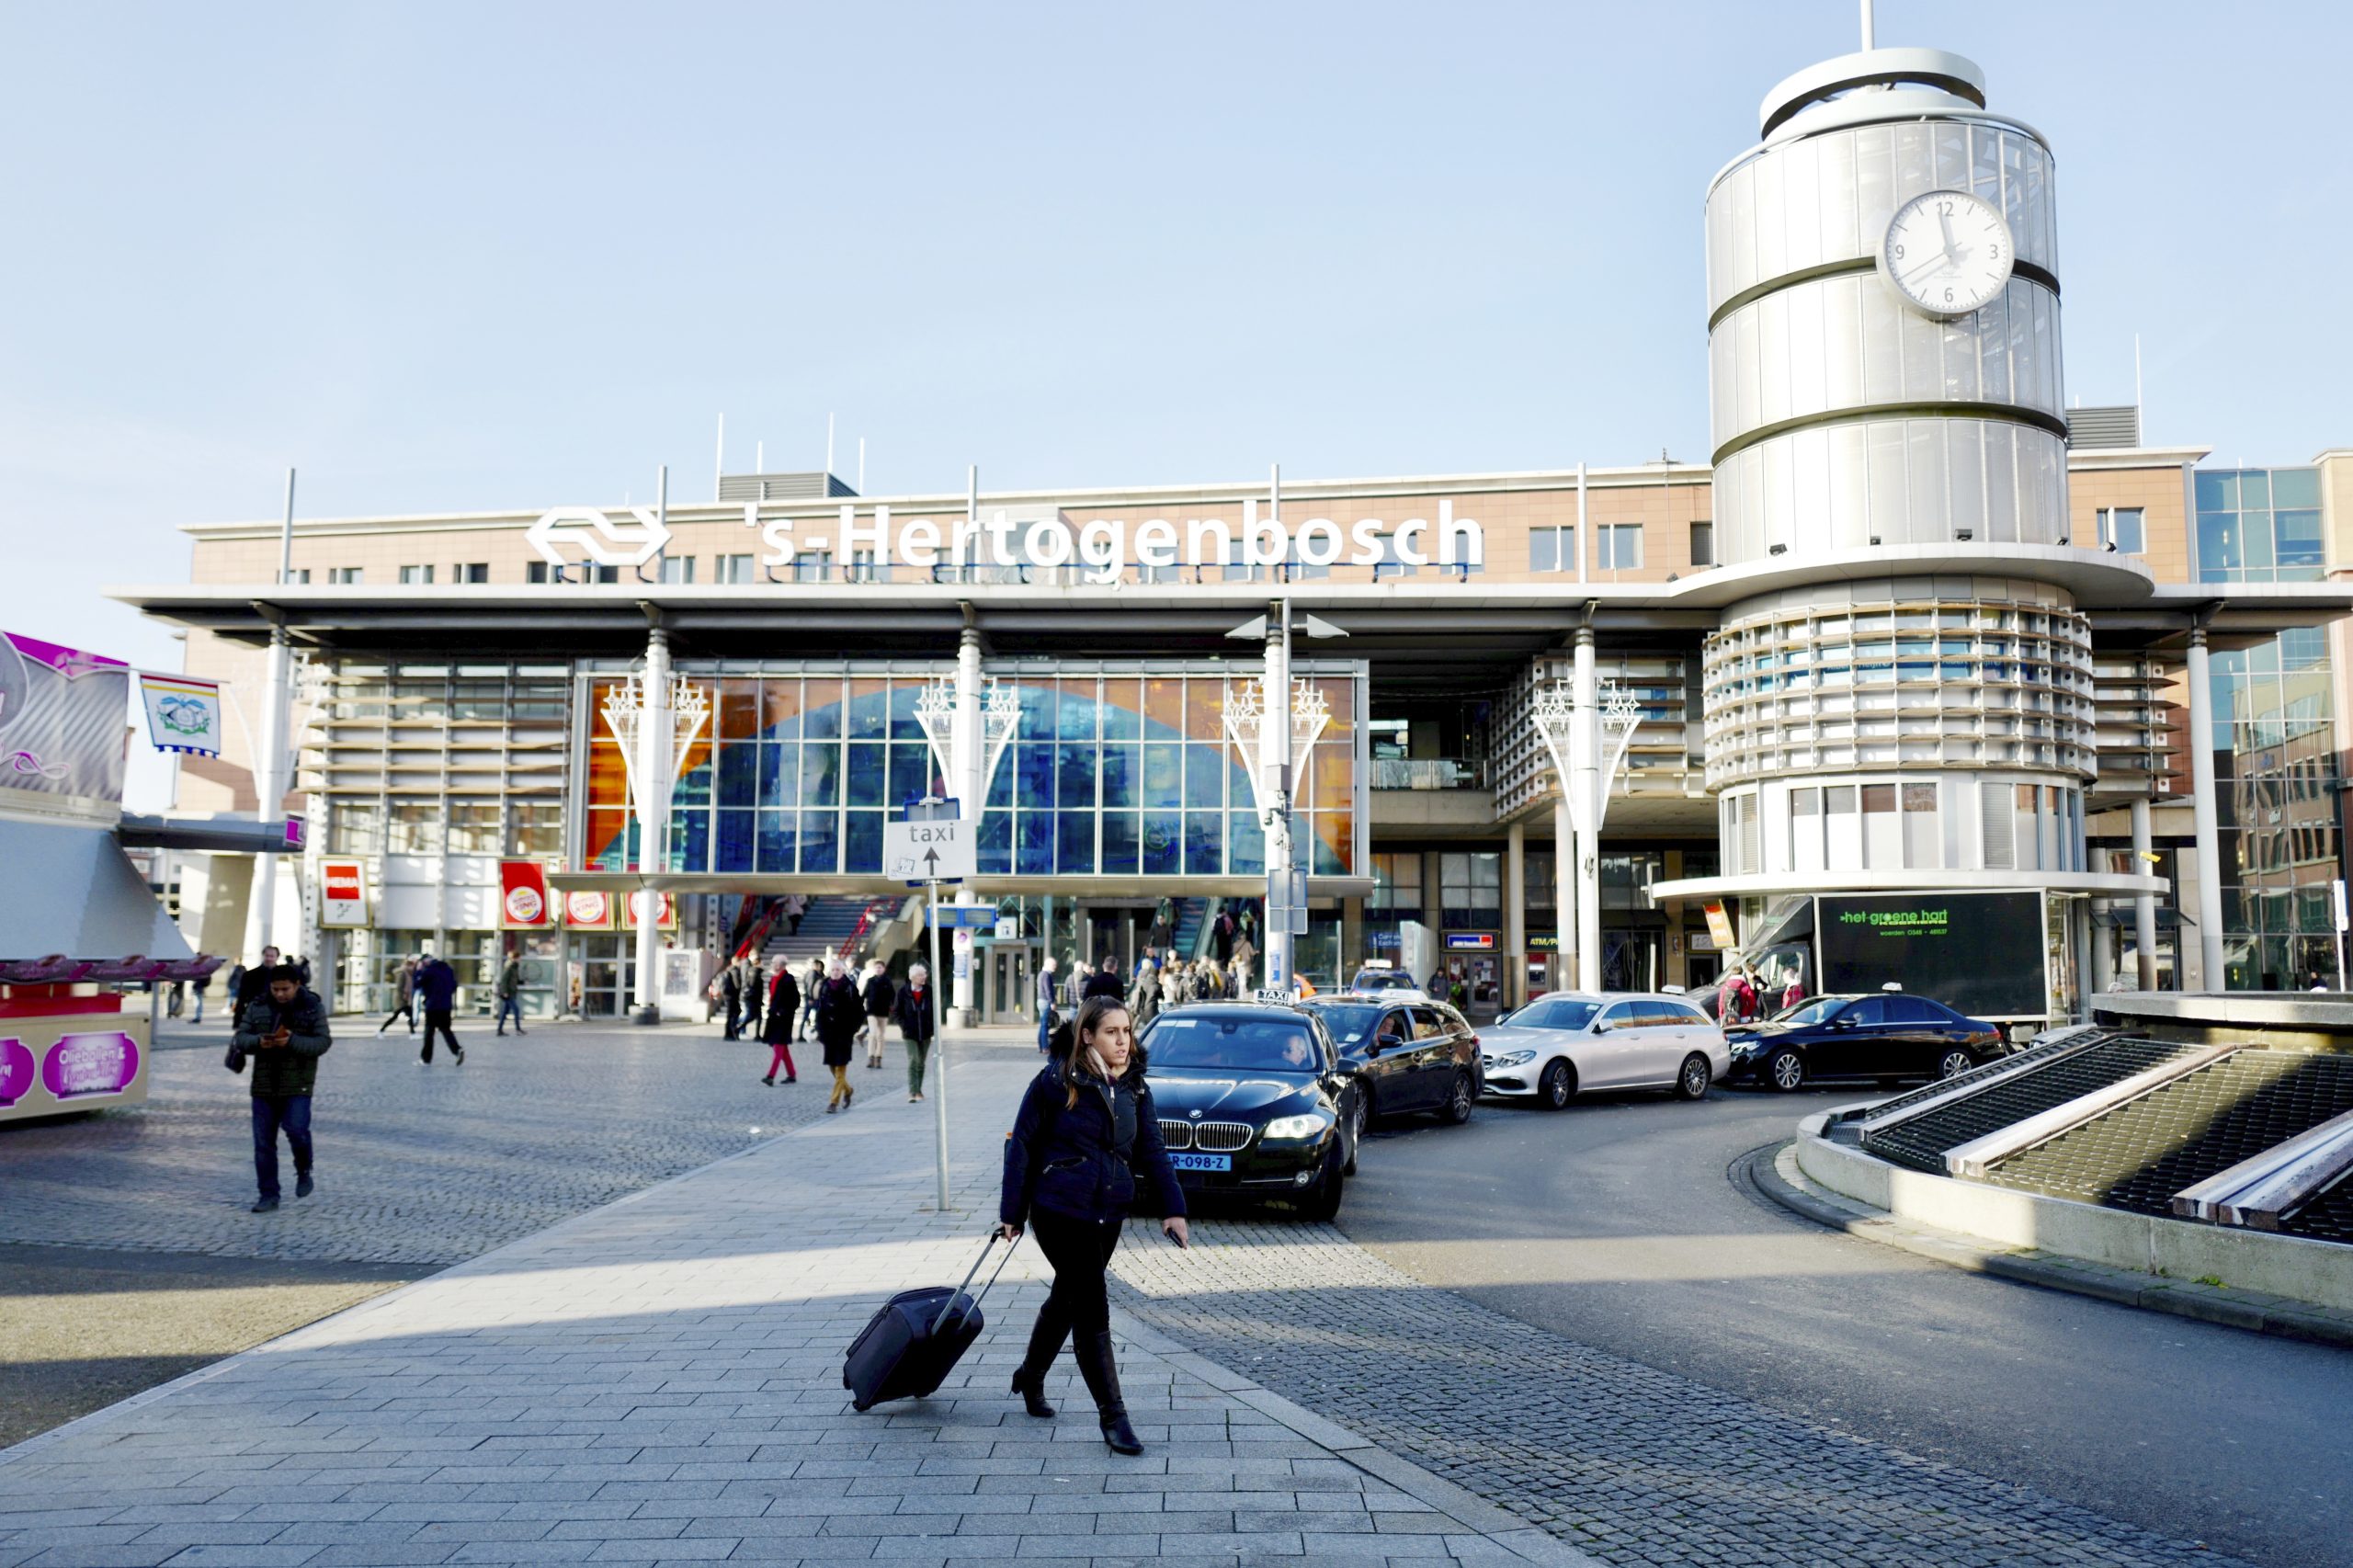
column 1515, row 1059
column 1287, row 1128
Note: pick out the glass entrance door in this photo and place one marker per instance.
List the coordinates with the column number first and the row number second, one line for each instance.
column 1009, row 968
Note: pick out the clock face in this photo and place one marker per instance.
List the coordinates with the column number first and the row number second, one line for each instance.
column 1947, row 253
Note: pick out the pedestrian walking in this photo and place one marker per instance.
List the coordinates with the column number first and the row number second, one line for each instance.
column 731, row 992
column 755, row 991
column 1081, row 972
column 251, row 985
column 197, row 988
column 1222, row 936
column 437, row 987
column 810, row 987
column 882, row 998
column 1085, row 1134
column 403, row 996
column 840, row 1016
column 784, row 1017
column 511, row 992
column 1103, row 982
column 1048, row 1013
column 795, row 906
column 918, row 1024
column 284, row 1033
column 1143, row 996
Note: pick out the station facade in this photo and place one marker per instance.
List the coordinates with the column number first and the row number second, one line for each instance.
column 1917, row 625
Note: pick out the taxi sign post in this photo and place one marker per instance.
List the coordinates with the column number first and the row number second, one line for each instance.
column 933, row 845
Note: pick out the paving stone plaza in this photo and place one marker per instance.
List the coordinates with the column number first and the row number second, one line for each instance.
column 655, row 1375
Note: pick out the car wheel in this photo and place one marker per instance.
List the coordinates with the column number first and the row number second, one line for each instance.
column 1692, row 1082
column 1954, row 1063
column 1321, row 1203
column 1457, row 1109
column 1785, row 1069
column 1358, row 1121
column 1557, row 1086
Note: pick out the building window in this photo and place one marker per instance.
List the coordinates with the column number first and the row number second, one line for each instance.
column 417, row 574
column 474, row 827
column 1703, row 544
column 298, row 575
column 535, row 827
column 413, row 825
column 1390, row 566
column 345, row 574
column 1552, row 549
column 1620, row 546
column 1397, row 887
column 470, row 572
column 1920, row 838
column 540, row 572
column 731, row 569
column 356, row 827
column 812, row 566
column 677, row 569
column 2124, row 528
column 1470, row 892
column 864, row 569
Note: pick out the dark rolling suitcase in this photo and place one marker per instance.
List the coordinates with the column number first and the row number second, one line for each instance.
column 908, row 1349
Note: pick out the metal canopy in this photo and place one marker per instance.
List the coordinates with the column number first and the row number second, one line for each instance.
column 72, row 891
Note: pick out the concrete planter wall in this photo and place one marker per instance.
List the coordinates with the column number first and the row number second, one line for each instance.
column 2318, row 1272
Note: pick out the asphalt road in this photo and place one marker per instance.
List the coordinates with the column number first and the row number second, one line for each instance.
column 1615, row 1224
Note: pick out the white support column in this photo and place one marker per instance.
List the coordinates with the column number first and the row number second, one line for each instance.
column 966, row 747
column 1585, row 764
column 2144, row 907
column 656, row 766
column 2201, row 801
column 1274, row 792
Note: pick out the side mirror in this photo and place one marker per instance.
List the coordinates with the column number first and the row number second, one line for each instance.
column 1385, row 1042
column 1842, row 1022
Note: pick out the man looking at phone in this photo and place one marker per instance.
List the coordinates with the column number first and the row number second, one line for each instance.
column 285, row 1033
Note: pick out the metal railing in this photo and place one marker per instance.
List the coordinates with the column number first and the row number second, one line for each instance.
column 1428, row 773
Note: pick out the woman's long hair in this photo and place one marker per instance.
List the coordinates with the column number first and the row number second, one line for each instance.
column 1066, row 1043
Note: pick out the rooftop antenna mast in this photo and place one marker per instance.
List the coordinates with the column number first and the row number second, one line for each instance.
column 1869, row 30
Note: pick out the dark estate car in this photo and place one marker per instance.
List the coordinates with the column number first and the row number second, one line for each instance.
column 1409, row 1056
column 1255, row 1102
column 1891, row 1035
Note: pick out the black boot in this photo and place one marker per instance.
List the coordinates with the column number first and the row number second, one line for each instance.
column 1029, row 1379
column 1102, row 1374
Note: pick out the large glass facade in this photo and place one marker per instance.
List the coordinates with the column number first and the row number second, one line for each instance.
column 2276, row 770
column 2260, row 525
column 1113, row 771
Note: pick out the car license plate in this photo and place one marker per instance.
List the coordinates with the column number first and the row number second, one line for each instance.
column 1201, row 1162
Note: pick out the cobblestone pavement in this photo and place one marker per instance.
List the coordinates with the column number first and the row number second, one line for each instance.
column 1626, row 1462
column 416, row 1165
column 660, row 1381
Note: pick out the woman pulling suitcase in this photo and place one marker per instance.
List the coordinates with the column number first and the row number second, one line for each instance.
column 1085, row 1134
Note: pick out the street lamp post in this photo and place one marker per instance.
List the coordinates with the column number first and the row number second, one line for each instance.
column 1269, row 739
column 656, row 715
column 1602, row 729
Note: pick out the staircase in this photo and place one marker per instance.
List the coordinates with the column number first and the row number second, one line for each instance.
column 828, row 923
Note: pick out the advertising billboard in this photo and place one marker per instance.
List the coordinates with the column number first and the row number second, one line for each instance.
column 343, row 894
column 61, row 729
column 1980, row 952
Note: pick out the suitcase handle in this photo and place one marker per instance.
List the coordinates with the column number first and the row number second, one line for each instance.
column 954, row 1296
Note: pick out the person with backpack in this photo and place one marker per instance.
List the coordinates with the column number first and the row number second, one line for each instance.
column 511, row 992
column 882, row 998
column 1085, row 1135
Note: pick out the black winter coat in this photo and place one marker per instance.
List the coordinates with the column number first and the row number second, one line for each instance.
column 914, row 1015
column 1083, row 1161
column 840, row 1016
column 784, row 1002
column 1104, row 982
column 881, row 995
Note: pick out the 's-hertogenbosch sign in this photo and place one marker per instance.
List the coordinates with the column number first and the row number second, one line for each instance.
column 1100, row 548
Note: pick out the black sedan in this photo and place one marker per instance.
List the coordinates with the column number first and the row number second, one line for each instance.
column 1255, row 1102
column 1887, row 1036
column 1415, row 1055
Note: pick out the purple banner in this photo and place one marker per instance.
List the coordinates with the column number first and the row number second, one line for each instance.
column 15, row 1070
column 81, row 1065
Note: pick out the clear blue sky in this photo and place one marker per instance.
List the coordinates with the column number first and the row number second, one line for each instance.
column 481, row 254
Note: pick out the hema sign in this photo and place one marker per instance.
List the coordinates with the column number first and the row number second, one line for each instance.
column 1101, row 547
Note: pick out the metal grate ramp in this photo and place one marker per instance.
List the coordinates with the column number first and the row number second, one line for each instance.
column 2018, row 1061
column 1922, row 1142
column 2327, row 1217
column 2138, row 1155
